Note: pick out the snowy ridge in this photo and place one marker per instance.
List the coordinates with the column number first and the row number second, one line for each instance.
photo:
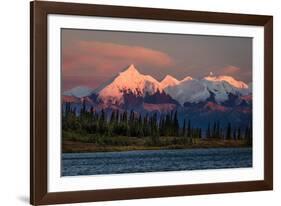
column 131, row 81
column 188, row 91
column 169, row 81
column 79, row 91
column 186, row 79
column 195, row 91
column 228, row 79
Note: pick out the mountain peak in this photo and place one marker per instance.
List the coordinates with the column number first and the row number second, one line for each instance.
column 80, row 91
column 168, row 77
column 187, row 78
column 169, row 81
column 228, row 79
column 131, row 69
column 129, row 81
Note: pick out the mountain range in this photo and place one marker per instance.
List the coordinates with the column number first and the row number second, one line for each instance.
column 201, row 100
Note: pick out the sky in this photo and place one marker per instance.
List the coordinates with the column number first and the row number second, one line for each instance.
column 91, row 57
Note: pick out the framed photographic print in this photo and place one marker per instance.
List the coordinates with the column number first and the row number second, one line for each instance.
column 131, row 103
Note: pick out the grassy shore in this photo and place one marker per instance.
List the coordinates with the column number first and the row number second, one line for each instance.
column 71, row 146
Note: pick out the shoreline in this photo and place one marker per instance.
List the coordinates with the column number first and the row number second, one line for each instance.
column 85, row 147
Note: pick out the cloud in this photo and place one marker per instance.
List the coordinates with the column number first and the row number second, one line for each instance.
column 72, row 81
column 226, row 70
column 230, row 70
column 238, row 73
column 93, row 56
column 90, row 63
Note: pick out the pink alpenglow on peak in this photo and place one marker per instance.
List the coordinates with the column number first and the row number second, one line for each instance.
column 228, row 79
column 129, row 80
column 131, row 83
column 131, row 70
column 169, row 81
column 188, row 78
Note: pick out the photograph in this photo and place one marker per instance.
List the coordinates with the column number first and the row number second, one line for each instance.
column 130, row 102
column 135, row 102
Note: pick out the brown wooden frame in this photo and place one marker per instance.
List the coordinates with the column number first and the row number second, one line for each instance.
column 38, row 98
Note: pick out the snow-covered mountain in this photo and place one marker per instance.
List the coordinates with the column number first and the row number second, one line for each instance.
column 188, row 91
column 169, row 81
column 194, row 90
column 128, row 81
column 233, row 82
column 131, row 87
column 186, row 79
column 79, row 91
column 202, row 100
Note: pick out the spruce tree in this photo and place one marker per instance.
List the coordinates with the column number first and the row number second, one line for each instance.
column 246, row 133
column 112, row 118
column 218, row 130
column 200, row 133
column 183, row 129
column 162, row 126
column 234, row 134
column 214, row 130
column 239, row 133
column 189, row 129
column 176, row 124
column 168, row 125
column 228, row 131
column 140, row 127
column 208, row 133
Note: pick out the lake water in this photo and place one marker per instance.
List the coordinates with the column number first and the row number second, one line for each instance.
column 154, row 161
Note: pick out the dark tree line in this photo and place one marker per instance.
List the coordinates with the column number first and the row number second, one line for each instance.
column 229, row 132
column 132, row 124
column 117, row 123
